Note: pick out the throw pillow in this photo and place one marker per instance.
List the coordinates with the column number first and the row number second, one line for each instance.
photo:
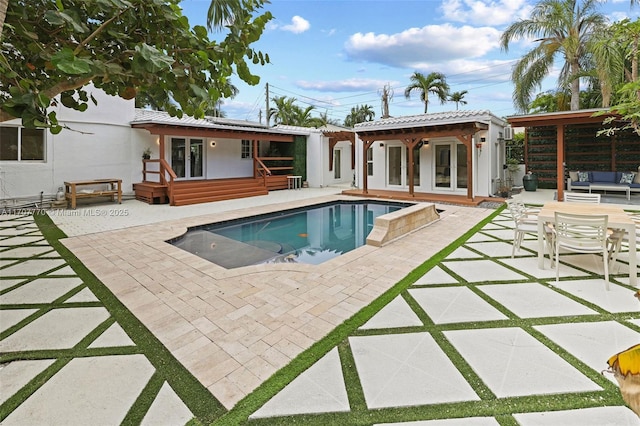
column 627, row 177
column 637, row 179
column 583, row 176
column 573, row 176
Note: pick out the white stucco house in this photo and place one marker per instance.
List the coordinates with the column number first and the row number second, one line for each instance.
column 459, row 153
column 192, row 160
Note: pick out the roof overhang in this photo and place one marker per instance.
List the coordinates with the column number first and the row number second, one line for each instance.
column 559, row 118
column 424, row 131
column 214, row 132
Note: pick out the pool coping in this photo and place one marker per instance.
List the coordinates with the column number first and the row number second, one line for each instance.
column 232, row 329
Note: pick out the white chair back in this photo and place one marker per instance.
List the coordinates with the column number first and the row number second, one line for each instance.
column 581, row 197
column 582, row 234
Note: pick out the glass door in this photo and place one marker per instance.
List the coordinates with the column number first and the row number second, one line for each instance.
column 178, row 151
column 394, row 169
column 337, row 163
column 443, row 166
column 191, row 166
column 461, row 166
column 196, row 148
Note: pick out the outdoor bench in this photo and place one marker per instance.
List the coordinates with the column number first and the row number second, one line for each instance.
column 97, row 188
column 603, row 181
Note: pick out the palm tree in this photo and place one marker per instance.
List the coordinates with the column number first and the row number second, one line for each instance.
column 359, row 114
column 223, row 12
column 435, row 83
column 457, row 98
column 562, row 27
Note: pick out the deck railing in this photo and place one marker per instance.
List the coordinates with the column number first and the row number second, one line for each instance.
column 165, row 174
column 261, row 170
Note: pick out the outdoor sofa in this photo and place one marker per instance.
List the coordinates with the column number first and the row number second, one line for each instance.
column 626, row 182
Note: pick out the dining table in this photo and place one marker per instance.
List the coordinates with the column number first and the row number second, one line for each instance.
column 617, row 219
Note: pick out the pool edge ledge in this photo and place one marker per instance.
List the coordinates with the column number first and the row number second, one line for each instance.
column 394, row 225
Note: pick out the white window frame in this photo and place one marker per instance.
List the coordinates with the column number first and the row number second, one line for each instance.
column 246, row 149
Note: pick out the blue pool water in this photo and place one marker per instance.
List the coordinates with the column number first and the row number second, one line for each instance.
column 309, row 235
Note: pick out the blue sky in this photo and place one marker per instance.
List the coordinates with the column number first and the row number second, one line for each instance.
column 337, row 54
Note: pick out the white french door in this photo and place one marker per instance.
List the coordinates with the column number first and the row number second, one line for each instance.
column 397, row 167
column 187, row 158
column 450, row 166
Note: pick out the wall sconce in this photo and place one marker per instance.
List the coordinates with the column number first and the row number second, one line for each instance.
column 212, row 144
column 381, row 145
column 480, row 144
column 425, row 143
column 158, row 140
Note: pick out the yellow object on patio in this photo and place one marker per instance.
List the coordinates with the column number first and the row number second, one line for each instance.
column 625, row 366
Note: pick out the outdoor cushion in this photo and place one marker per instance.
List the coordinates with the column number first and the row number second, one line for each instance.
column 578, row 183
column 573, row 176
column 627, row 177
column 583, row 176
column 608, row 177
column 635, row 185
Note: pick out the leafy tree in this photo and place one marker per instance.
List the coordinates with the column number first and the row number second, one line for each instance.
column 560, row 27
column 457, row 97
column 124, row 47
column 628, row 110
column 359, row 114
column 434, row 82
column 550, row 101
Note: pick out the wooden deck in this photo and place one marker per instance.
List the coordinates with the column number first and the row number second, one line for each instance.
column 460, row 200
column 185, row 192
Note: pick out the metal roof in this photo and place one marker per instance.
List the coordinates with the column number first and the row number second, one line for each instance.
column 432, row 119
column 144, row 116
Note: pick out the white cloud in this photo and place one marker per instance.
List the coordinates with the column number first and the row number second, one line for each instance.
column 298, row 25
column 422, row 47
column 347, row 85
column 480, row 12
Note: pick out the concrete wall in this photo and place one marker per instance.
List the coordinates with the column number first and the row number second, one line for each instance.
column 98, row 143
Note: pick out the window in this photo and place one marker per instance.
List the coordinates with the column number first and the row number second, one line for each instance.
column 246, row 150
column 20, row 144
column 370, row 162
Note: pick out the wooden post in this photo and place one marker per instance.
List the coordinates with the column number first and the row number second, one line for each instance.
column 560, row 160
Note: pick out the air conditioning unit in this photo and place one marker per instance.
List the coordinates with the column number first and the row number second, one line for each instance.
column 508, row 133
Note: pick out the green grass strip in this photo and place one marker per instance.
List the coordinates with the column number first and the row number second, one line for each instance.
column 195, row 395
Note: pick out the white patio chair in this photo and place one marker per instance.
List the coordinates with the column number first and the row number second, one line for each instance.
column 526, row 221
column 581, row 197
column 581, row 234
column 617, row 236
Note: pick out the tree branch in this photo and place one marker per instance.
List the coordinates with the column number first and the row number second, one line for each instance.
column 97, row 31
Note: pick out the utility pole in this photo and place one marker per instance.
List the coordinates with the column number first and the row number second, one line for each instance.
column 267, row 95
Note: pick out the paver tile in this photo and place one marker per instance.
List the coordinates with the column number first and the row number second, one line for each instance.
column 86, row 391
column 394, row 369
column 320, row 389
column 512, row 363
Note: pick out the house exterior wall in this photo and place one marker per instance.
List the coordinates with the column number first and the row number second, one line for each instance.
column 487, row 163
column 98, row 143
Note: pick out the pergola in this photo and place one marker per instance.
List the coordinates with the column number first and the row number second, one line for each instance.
column 337, row 136
column 560, row 120
column 412, row 136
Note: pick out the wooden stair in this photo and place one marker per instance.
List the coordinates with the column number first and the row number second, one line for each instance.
column 187, row 192
column 275, row 182
column 151, row 192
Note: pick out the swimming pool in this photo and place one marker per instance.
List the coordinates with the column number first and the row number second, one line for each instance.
column 310, row 235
